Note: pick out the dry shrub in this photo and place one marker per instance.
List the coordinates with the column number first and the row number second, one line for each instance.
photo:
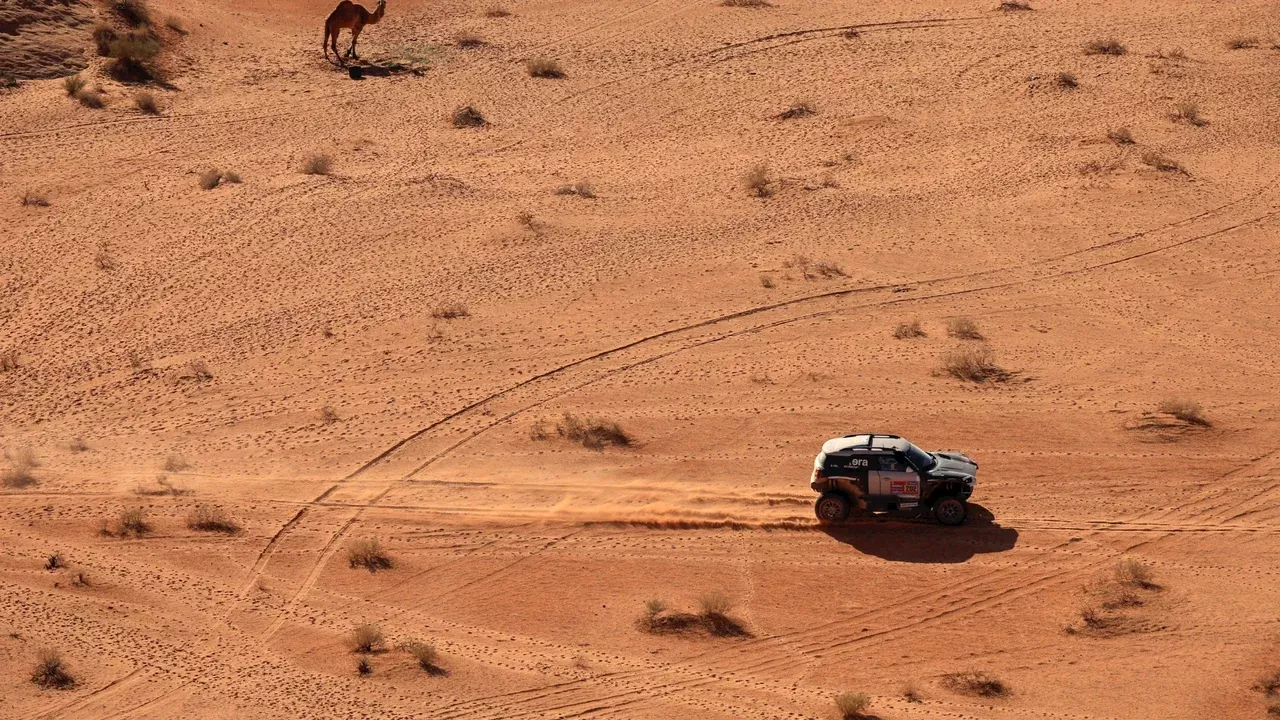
column 468, row 116
column 582, row 189
column 328, row 415
column 317, row 165
column 103, row 36
column 538, row 431
column 51, row 672
column 467, row 39
column 1121, row 136
column 1163, row 163
column 91, row 99
column 975, row 682
column 132, row 55
column 747, row 3
column 175, row 24
column 1269, row 685
column 1243, row 43
column 907, row 330
column 852, row 705
column 367, row 638
column 1185, row 410
column 210, row 179
column 1014, row 5
column 497, row 12
column 593, row 433
column 964, row 328
column 132, row 12
column 363, row 666
column 1066, row 81
column 9, row 358
column 654, row 607
column 73, row 84
column 1092, row 617
column 759, row 180
column 205, row 518
column 544, row 68
column 426, row 655
column 713, row 610
column 1188, row 113
column 368, row 553
column 813, row 270
column 798, row 109
column 133, row 520
column 54, row 561
column 451, row 311
column 78, row 445
column 767, row 282
column 1106, row 46
column 21, row 473
column 973, row 363
column 147, row 103
column 1134, row 573
column 30, row 198
column 231, row 176
column 176, row 463
column 911, row 693
column 103, row 260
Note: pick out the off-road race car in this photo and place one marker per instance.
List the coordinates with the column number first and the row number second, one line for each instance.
column 886, row 474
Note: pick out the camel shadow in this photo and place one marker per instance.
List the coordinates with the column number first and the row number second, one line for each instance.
column 361, row 69
column 925, row 541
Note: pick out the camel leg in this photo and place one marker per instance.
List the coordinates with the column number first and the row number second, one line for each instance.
column 336, row 52
column 355, row 33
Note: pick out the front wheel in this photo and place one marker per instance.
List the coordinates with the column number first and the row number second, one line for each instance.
column 950, row 510
column 832, row 507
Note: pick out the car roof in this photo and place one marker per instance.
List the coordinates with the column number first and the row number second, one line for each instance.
column 869, row 441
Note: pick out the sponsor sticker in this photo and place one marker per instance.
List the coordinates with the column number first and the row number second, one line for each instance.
column 897, row 487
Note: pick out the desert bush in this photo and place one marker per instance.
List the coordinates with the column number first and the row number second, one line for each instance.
column 231, row 176
column 538, row 431
column 582, row 189
column 1135, row 573
column 210, row 179
column 368, row 553
column 767, row 282
column 912, row 694
column 1107, row 46
column 175, row 24
column 1014, row 5
column 544, row 68
column 54, row 561
column 851, row 705
column 759, row 180
column 51, row 671
column 451, row 311
column 1163, row 163
column 103, row 260
column 175, row 463
column 9, row 358
column 77, row 445
column 654, row 607
column 103, row 36
column 1185, row 410
column 132, row 55
column 73, row 84
column 973, row 363
column 1188, row 113
column 1066, row 81
column 714, row 603
column 29, row 198
column 592, row 433
column 133, row 520
column 367, row 638
column 317, row 165
column 466, row 39
column 714, row 610
column 1243, row 42
column 147, row 103
column 1269, row 685
column 964, row 328
column 91, row 99
column 1120, row 136
column 798, row 109
column 363, row 666
column 425, row 653
column 813, row 270
column 497, row 12
column 746, row 3
column 205, row 518
column 975, row 682
column 1092, row 617
column 132, row 12
column 468, row 116
column 328, row 415
column 907, row 330
column 21, row 473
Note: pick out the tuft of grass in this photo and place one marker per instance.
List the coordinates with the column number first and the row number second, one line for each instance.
column 30, row 198
column 451, row 311
column 73, row 84
column 77, row 445
column 54, row 561
column 133, row 520
column 468, row 40
column 51, row 671
column 759, row 180
column 1014, row 5
column 538, row 431
column 1120, row 136
column 798, row 109
column 132, row 12
column 231, row 176
column 1066, row 81
column 544, row 68
column 908, row 330
column 1135, row 573
column 592, row 433
column 582, row 189
column 103, row 260
column 714, row 603
column 425, row 653
column 317, row 165
column 1244, row 42
column 103, row 36
column 1188, row 113
column 91, row 99
column 199, row 371
column 1185, row 410
column 175, row 24
column 497, row 11
column 912, row 694
column 964, row 328
column 147, row 103
column 132, row 57
column 21, row 473
column 714, row 610
column 176, row 463
column 9, row 359
column 767, row 282
column 367, row 638
column 1163, row 163
column 1105, row 46
column 972, row 363
column 654, row 607
column 328, row 415
column 975, row 682
column 368, row 553
column 746, row 3
column 468, row 116
column 1269, row 685
column 363, row 666
column 205, row 518
column 210, row 179
column 852, row 705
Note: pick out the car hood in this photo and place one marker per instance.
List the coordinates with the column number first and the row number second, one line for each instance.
column 953, row 465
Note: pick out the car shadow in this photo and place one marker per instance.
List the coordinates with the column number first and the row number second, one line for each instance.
column 925, row 541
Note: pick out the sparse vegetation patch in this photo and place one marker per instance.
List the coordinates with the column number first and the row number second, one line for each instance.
column 852, row 705
column 132, row 12
column 1120, row 136
column 369, row 554
column 133, row 520
column 1185, row 410
column 973, row 363
column 367, row 638
column 714, row 617
column 1106, row 46
column 468, row 116
column 1246, row 42
column 51, row 672
column 1014, row 5
column 29, row 198
column 451, row 311
column 975, row 682
column 798, row 109
column 73, row 84
column 582, row 189
column 908, row 330
column 814, row 269
column 544, row 68
column 1163, row 163
column 591, row 432
column 1066, row 81
column 759, row 180
column 468, row 40
column 205, row 518
column 147, row 103
column 426, row 655
column 317, row 165
column 21, row 472
column 747, row 3
column 964, row 328
column 210, row 179
column 1188, row 113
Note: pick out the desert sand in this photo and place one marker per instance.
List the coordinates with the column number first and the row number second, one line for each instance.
column 384, row 352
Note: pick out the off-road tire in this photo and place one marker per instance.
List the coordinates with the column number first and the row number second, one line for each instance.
column 950, row 510
column 832, row 507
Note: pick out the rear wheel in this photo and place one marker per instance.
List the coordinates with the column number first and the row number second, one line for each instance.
column 950, row 510
column 832, row 507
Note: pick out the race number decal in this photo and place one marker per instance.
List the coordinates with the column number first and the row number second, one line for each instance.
column 897, row 487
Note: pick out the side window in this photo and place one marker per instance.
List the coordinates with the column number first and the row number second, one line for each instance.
column 889, row 463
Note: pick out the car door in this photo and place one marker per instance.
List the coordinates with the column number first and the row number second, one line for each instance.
column 895, row 477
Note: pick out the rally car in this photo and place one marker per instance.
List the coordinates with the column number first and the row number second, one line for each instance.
column 886, row 474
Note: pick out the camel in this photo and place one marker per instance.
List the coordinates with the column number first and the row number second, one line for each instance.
column 352, row 17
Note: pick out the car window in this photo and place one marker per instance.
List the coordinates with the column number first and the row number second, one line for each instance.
column 889, row 463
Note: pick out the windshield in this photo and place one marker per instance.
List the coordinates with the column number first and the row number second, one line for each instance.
column 920, row 459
